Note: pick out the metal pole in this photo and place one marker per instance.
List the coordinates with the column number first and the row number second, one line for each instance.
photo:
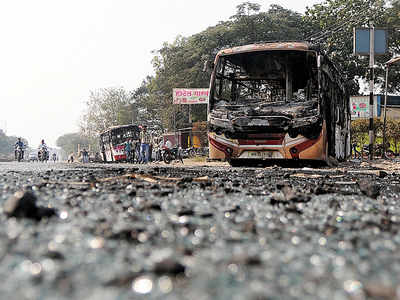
column 384, row 113
column 189, row 144
column 371, row 93
column 175, row 127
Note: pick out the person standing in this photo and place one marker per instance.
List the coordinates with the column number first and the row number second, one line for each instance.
column 158, row 146
column 151, row 146
column 356, row 153
column 128, row 150
column 85, row 156
column 145, row 141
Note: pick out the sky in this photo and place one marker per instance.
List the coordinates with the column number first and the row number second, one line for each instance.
column 54, row 52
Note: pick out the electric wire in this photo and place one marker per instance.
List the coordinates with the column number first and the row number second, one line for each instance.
column 334, row 28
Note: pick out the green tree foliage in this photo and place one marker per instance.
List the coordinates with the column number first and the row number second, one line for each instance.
column 69, row 142
column 105, row 108
column 333, row 22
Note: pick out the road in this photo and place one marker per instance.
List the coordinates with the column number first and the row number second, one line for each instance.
column 199, row 231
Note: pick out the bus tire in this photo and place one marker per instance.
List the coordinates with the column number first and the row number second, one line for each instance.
column 235, row 163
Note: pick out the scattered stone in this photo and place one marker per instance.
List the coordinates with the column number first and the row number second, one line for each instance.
column 186, row 212
column 369, row 188
column 381, row 291
column 53, row 254
column 246, row 259
column 382, row 174
column 169, row 266
column 233, row 209
column 23, row 205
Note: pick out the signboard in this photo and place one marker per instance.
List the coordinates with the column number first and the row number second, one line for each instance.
column 359, row 106
column 361, row 40
column 190, row 96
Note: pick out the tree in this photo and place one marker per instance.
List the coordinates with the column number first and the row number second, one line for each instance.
column 105, row 108
column 333, row 23
column 69, row 142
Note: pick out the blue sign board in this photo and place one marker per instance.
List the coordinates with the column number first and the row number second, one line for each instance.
column 361, row 40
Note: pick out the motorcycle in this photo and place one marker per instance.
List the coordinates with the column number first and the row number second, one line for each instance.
column 43, row 155
column 378, row 151
column 188, row 152
column 169, row 155
column 20, row 153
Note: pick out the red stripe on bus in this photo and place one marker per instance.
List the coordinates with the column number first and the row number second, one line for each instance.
column 261, row 142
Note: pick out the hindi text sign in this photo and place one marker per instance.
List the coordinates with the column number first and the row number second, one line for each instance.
column 190, row 96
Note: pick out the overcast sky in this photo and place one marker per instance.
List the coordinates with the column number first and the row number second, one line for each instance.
column 54, row 52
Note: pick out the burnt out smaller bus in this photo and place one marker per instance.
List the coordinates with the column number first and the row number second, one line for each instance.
column 112, row 142
column 277, row 101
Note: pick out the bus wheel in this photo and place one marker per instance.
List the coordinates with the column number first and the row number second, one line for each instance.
column 236, row 162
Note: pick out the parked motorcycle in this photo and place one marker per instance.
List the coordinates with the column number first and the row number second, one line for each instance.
column 188, row 152
column 169, row 155
column 378, row 150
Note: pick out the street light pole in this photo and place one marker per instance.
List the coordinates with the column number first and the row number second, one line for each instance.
column 371, row 92
column 384, row 112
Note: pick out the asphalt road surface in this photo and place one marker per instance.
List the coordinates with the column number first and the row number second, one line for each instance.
column 96, row 231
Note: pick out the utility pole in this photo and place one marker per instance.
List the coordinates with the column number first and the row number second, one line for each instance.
column 384, row 112
column 371, row 91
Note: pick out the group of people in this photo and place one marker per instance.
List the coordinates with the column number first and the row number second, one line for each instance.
column 143, row 149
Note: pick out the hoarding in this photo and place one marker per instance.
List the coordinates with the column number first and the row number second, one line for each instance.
column 361, row 41
column 190, row 96
column 360, row 106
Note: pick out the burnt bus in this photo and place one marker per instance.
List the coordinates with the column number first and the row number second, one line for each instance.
column 277, row 101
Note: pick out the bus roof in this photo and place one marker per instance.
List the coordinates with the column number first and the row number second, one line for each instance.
column 267, row 46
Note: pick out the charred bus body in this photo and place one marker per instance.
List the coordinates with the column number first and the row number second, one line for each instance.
column 279, row 101
column 112, row 142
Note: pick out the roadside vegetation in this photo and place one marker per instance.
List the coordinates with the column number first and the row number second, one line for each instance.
column 359, row 133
